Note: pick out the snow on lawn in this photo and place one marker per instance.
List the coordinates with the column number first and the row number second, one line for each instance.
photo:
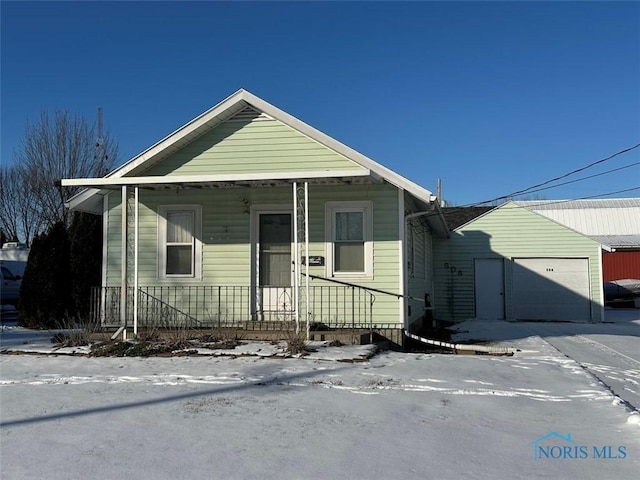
column 396, row 415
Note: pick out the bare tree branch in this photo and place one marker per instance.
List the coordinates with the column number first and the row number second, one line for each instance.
column 52, row 148
column 9, row 185
column 19, row 217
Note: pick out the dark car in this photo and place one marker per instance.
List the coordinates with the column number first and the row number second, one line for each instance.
column 622, row 290
column 9, row 287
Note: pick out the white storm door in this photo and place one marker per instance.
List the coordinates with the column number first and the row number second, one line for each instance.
column 275, row 293
column 489, row 287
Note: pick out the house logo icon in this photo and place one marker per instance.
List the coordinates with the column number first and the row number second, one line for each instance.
column 554, row 445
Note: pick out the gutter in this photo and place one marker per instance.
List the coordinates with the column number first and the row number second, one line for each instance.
column 434, row 211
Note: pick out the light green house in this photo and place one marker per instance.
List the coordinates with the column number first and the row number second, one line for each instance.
column 247, row 214
column 512, row 263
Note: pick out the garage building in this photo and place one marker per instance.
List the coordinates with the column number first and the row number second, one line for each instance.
column 512, row 263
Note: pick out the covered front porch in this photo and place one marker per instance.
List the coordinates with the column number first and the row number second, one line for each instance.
column 278, row 280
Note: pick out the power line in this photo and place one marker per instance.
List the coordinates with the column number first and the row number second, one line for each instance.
column 555, row 202
column 534, row 188
column 560, row 177
column 545, row 202
column 585, row 178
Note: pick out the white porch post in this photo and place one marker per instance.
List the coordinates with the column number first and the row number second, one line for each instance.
column 301, row 248
column 105, row 230
column 306, row 252
column 296, row 262
column 135, row 260
column 123, row 264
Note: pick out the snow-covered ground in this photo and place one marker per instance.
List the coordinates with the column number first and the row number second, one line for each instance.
column 396, row 415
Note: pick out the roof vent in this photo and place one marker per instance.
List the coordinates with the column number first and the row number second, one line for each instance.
column 249, row 114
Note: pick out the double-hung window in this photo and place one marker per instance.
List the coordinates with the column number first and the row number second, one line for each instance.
column 179, row 241
column 349, row 239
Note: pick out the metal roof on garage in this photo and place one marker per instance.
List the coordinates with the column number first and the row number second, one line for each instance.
column 618, row 241
column 617, row 220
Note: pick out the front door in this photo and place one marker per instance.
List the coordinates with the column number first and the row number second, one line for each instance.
column 275, row 296
column 489, row 288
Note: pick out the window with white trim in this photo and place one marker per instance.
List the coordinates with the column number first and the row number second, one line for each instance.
column 179, row 241
column 349, row 239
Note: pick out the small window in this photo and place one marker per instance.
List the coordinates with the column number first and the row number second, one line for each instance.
column 349, row 245
column 179, row 244
column 348, row 242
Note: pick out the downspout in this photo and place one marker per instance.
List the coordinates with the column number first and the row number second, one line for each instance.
column 601, row 281
column 406, row 292
column 459, row 347
column 402, row 271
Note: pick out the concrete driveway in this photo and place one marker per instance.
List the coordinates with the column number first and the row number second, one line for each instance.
column 610, row 350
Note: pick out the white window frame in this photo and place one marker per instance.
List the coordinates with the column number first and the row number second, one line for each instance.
column 163, row 210
column 331, row 208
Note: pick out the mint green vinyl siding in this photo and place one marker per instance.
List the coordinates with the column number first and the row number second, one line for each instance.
column 507, row 232
column 226, row 234
column 236, row 147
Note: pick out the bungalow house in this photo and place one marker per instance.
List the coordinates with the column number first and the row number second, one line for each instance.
column 247, row 215
column 510, row 262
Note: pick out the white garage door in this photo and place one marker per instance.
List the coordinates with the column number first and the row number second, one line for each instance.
column 551, row 289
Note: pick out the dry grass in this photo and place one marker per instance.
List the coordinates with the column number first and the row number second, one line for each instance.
column 155, row 341
column 75, row 334
column 296, row 343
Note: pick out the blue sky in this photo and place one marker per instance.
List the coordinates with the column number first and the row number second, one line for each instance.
column 492, row 97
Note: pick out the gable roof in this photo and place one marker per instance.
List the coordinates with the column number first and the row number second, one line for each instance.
column 613, row 221
column 458, row 216
column 511, row 204
column 129, row 172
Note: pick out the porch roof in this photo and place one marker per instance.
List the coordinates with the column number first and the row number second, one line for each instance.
column 261, row 179
column 128, row 173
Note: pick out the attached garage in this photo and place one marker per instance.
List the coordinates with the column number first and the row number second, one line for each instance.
column 515, row 264
column 551, row 289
